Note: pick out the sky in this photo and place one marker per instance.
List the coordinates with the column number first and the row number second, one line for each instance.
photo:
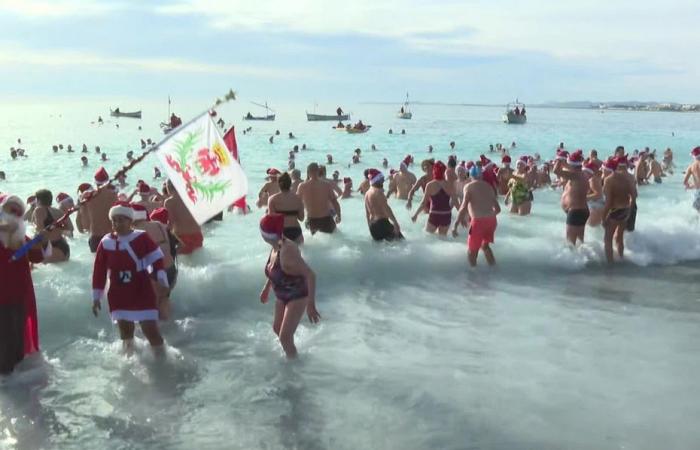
column 465, row 51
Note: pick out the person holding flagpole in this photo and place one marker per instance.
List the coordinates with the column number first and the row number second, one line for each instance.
column 125, row 257
column 292, row 280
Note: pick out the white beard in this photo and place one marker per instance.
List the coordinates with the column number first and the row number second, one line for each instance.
column 16, row 239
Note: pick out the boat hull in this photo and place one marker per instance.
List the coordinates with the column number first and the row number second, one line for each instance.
column 511, row 117
column 324, row 117
column 133, row 115
column 406, row 115
column 269, row 118
column 356, row 131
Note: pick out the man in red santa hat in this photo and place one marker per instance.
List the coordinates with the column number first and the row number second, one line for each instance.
column 574, row 199
column 19, row 326
column 126, row 256
column 97, row 209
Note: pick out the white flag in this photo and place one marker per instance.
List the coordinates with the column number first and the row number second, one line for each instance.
column 202, row 170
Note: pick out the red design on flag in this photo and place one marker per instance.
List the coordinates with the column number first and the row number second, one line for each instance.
column 208, row 162
column 230, row 141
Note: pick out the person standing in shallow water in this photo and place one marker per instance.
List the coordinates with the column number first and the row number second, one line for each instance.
column 125, row 257
column 574, row 198
column 379, row 215
column 619, row 197
column 319, row 200
column 479, row 208
column 45, row 215
column 290, row 206
column 438, row 201
column 291, row 279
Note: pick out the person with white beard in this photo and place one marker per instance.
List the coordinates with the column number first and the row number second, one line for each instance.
column 19, row 326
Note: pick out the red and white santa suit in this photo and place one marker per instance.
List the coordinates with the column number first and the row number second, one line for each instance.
column 19, row 325
column 127, row 260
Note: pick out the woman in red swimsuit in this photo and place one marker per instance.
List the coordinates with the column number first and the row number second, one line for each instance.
column 292, row 280
column 438, row 201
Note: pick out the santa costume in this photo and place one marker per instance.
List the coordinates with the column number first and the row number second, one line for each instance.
column 127, row 260
column 19, row 325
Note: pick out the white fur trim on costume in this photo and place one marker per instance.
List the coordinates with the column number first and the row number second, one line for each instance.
column 269, row 236
column 140, row 215
column 152, row 257
column 163, row 278
column 575, row 163
column 120, row 210
column 135, row 316
column 586, row 169
column 378, row 178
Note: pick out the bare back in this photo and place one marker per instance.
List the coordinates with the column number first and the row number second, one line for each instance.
column 376, row 204
column 618, row 191
column 98, row 211
column 180, row 218
column 317, row 196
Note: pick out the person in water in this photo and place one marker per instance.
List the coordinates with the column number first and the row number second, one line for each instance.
column 94, row 215
column 320, row 201
column 595, row 198
column 504, row 175
column 519, row 195
column 691, row 181
column 575, row 196
column 130, row 294
column 479, row 209
column 291, row 279
column 347, row 188
column 381, row 221
column 655, row 169
column 44, row 216
column 620, row 195
column 403, row 181
column 183, row 226
column 271, row 187
column 288, row 203
column 438, row 201
column 427, row 166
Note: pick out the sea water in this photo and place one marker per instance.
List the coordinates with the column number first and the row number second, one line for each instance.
column 550, row 349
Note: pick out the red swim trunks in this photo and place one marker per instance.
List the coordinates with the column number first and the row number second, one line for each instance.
column 481, row 231
column 190, row 243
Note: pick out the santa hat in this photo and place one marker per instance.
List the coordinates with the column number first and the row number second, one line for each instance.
column 520, row 162
column 121, row 209
column 84, row 187
column 610, row 165
column 144, row 189
column 622, row 160
column 406, row 161
column 576, row 158
column 590, row 167
column 6, row 199
column 140, row 212
column 562, row 155
column 273, row 172
column 506, row 159
column 392, row 172
column 63, row 198
column 374, row 176
column 101, row 176
column 485, row 162
column 272, row 226
column 159, row 215
column 31, row 200
column 695, row 153
column 439, row 169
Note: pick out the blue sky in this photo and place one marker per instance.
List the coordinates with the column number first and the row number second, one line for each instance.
column 450, row 51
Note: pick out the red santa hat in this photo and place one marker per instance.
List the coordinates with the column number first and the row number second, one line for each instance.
column 159, row 215
column 144, row 189
column 506, row 159
column 272, row 172
column 375, row 176
column 84, row 187
column 485, row 162
column 439, row 169
column 622, row 160
column 576, row 158
column 6, row 199
column 562, row 155
column 695, row 153
column 31, row 200
column 101, row 176
column 590, row 167
column 272, row 226
column 610, row 165
column 406, row 161
column 140, row 212
column 62, row 198
column 121, row 209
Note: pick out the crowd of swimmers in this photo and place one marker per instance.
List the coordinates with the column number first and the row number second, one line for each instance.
column 137, row 235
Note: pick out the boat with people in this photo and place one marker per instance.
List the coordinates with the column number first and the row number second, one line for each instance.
column 267, row 116
column 405, row 111
column 172, row 122
column 339, row 116
column 515, row 113
column 359, row 127
column 116, row 113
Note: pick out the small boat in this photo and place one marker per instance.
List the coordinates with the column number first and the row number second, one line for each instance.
column 515, row 113
column 405, row 112
column 269, row 117
column 353, row 130
column 326, row 117
column 117, row 113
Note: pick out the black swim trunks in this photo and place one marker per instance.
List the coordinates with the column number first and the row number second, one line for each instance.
column 322, row 224
column 93, row 242
column 382, row 230
column 619, row 214
column 62, row 245
column 292, row 233
column 577, row 217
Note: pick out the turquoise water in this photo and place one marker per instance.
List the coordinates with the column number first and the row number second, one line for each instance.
column 551, row 349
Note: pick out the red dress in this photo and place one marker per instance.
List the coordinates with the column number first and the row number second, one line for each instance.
column 18, row 290
column 128, row 260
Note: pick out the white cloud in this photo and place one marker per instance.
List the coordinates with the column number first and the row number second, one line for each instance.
column 52, row 9
column 662, row 33
column 18, row 57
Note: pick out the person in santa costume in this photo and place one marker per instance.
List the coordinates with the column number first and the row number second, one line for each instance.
column 126, row 256
column 19, row 326
column 292, row 280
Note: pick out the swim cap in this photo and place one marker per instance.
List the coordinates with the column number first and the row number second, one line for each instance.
column 475, row 171
column 439, row 170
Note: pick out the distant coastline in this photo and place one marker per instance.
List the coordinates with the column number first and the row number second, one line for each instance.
column 615, row 105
